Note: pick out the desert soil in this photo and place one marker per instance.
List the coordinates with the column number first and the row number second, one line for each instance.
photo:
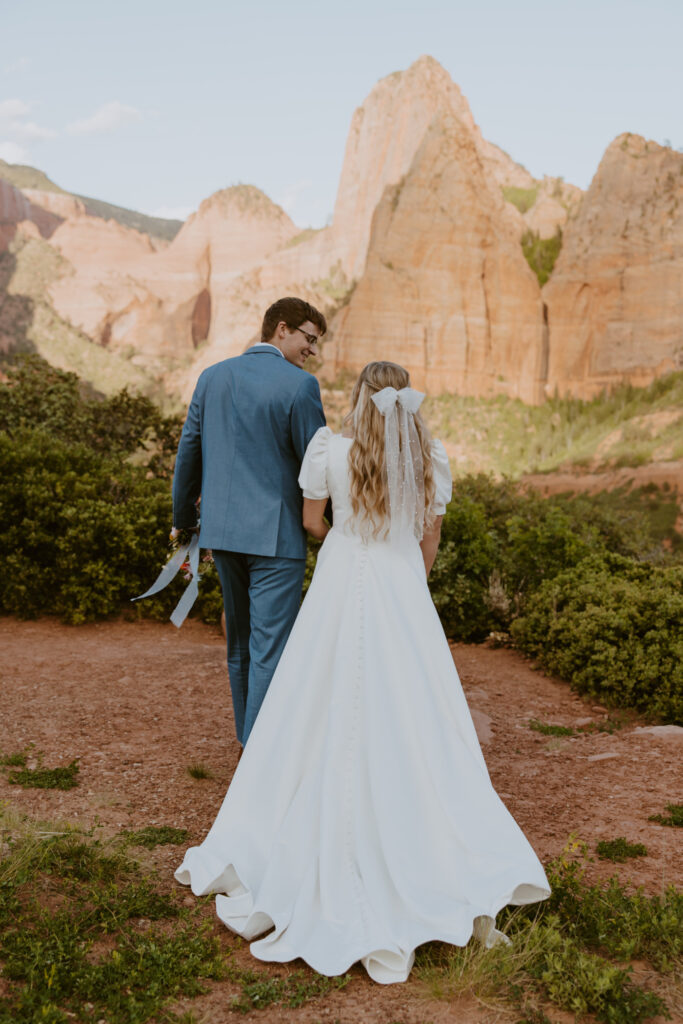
column 138, row 703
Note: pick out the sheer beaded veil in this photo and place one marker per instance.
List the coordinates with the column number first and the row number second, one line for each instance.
column 403, row 461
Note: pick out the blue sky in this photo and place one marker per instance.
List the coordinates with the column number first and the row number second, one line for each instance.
column 155, row 104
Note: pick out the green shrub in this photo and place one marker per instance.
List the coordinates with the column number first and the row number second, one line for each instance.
column 38, row 394
column 84, row 532
column 459, row 581
column 614, row 629
column 498, row 545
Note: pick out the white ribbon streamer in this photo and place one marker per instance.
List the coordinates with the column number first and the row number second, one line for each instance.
column 403, row 460
column 187, row 551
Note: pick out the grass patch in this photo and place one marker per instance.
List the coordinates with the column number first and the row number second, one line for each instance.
column 16, row 760
column 611, row 724
column 550, row 730
column 505, row 436
column 293, row 990
column 570, row 952
column 64, row 777
column 619, row 850
column 199, row 771
column 674, row 819
column 303, row 236
column 156, row 835
column 85, row 935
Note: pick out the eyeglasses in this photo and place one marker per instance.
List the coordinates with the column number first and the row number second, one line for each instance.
column 312, row 339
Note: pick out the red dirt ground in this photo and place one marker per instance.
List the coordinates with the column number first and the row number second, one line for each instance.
column 139, row 702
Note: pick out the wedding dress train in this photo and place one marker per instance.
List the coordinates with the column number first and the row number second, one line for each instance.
column 361, row 820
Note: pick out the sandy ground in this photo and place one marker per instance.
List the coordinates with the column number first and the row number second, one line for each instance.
column 140, row 702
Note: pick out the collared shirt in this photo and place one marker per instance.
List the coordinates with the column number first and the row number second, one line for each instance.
column 266, row 344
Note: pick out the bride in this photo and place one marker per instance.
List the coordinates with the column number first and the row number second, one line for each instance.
column 361, row 820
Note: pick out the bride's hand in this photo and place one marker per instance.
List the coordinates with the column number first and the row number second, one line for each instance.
column 313, row 517
column 430, row 544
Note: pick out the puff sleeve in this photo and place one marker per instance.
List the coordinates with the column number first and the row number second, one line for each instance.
column 442, row 478
column 313, row 475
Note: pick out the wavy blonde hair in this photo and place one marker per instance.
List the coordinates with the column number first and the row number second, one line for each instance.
column 369, row 488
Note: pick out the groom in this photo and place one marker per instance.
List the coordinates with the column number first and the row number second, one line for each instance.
column 247, row 428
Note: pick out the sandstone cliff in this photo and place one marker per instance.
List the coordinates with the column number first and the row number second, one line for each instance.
column 446, row 290
column 17, row 209
column 615, row 301
column 385, row 134
column 420, row 224
column 159, row 302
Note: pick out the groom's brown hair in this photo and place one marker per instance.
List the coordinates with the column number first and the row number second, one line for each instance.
column 293, row 312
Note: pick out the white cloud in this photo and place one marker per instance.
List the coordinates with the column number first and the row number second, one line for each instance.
column 10, row 109
column 12, row 113
column 13, row 153
column 106, row 119
column 173, row 212
column 30, row 130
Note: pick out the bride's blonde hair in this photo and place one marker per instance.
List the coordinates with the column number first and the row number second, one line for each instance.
column 369, row 489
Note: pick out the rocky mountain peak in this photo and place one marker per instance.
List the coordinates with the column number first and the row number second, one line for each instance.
column 385, row 134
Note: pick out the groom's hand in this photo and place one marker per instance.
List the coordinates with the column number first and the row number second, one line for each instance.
column 175, row 531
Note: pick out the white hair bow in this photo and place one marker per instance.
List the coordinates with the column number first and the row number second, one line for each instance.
column 403, row 461
column 409, row 399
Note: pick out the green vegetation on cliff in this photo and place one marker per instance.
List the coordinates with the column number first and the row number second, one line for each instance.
column 22, row 176
column 29, row 323
column 541, row 253
column 155, row 227
column 522, row 198
column 628, row 427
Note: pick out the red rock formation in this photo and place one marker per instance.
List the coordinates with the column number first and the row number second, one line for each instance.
column 555, row 204
column 233, row 231
column 161, row 301
column 615, row 301
column 385, row 134
column 446, row 290
column 16, row 209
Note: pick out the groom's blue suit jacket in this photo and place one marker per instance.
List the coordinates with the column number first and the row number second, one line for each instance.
column 247, row 428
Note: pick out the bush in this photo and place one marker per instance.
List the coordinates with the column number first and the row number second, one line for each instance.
column 83, row 532
column 460, row 579
column 498, row 545
column 123, row 424
column 614, row 629
column 86, row 501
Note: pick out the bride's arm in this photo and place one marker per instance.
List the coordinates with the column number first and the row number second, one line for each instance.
column 314, row 523
column 430, row 543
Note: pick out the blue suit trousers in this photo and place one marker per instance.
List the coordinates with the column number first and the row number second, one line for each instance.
column 261, row 597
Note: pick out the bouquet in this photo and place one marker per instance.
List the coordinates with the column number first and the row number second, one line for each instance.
column 184, row 558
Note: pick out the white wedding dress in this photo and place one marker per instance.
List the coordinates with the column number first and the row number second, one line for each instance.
column 361, row 821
